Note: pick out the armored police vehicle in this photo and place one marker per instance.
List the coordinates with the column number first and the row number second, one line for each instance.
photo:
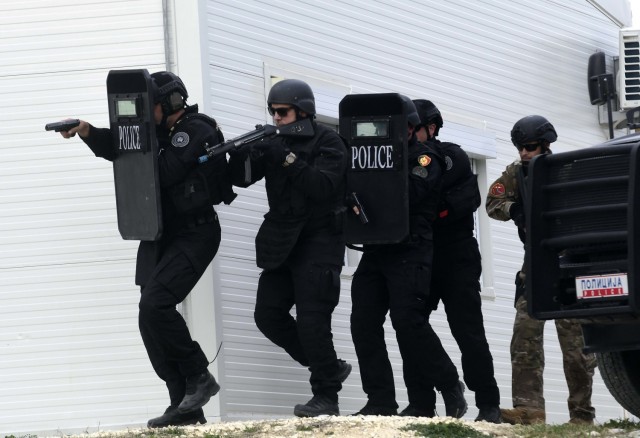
column 583, row 211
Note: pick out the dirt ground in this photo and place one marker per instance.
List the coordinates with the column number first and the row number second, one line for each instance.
column 342, row 426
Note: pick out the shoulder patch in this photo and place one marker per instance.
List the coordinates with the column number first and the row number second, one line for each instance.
column 420, row 171
column 497, row 190
column 448, row 161
column 424, row 160
column 180, row 139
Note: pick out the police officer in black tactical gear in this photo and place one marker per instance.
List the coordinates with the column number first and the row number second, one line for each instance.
column 300, row 245
column 457, row 264
column 395, row 278
column 167, row 269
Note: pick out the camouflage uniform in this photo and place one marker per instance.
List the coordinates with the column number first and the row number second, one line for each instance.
column 527, row 350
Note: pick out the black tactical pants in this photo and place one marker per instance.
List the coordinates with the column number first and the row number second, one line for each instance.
column 455, row 281
column 310, row 280
column 396, row 279
column 173, row 353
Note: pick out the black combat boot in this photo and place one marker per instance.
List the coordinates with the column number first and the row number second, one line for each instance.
column 344, row 369
column 383, row 411
column 318, row 405
column 454, row 402
column 200, row 388
column 414, row 411
column 490, row 414
column 172, row 417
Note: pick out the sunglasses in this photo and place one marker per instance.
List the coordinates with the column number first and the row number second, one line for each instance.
column 282, row 112
column 529, row 147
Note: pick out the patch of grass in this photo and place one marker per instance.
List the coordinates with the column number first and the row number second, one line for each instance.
column 444, row 430
column 574, row 431
column 168, row 432
column 553, row 431
column 625, row 424
column 303, row 428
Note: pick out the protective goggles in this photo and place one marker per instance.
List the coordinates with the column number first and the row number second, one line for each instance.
column 282, row 112
column 531, row 147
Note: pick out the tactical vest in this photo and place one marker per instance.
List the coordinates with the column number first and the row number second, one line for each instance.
column 422, row 215
column 208, row 184
column 289, row 211
column 460, row 197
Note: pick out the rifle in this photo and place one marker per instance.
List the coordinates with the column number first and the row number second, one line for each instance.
column 301, row 128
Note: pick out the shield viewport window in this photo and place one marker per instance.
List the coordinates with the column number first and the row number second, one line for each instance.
column 126, row 108
column 371, row 129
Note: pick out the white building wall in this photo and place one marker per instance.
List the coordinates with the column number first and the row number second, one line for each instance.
column 71, row 358
column 484, row 63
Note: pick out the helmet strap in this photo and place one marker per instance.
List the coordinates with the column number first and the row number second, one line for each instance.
column 165, row 116
column 435, row 131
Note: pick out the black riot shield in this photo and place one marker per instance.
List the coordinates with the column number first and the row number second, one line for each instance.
column 135, row 169
column 375, row 127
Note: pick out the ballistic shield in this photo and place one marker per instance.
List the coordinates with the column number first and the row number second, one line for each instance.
column 375, row 127
column 135, row 170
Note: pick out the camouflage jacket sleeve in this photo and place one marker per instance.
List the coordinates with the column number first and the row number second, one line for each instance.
column 503, row 193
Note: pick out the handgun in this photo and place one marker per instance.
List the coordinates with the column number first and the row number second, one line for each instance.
column 354, row 202
column 65, row 125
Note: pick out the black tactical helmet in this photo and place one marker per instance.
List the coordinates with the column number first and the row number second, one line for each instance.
column 532, row 128
column 412, row 114
column 429, row 114
column 169, row 91
column 294, row 92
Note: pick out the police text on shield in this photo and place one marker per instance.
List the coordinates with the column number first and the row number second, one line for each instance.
column 372, row 157
column 129, row 137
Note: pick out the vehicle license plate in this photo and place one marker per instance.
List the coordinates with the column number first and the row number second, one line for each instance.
column 602, row 286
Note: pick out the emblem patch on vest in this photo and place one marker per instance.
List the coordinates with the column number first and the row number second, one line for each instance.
column 448, row 161
column 180, row 140
column 424, row 160
column 420, row 171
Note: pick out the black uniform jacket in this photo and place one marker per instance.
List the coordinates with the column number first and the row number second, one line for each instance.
column 425, row 181
column 460, row 196
column 179, row 150
column 305, row 198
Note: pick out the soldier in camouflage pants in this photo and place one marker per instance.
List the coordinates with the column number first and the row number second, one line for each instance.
column 532, row 136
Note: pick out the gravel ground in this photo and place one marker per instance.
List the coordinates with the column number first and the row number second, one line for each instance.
column 342, row 426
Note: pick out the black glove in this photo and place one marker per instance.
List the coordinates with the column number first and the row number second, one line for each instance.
column 517, row 214
column 273, row 151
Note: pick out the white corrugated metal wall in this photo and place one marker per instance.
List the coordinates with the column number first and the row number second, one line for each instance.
column 71, row 357
column 484, row 63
